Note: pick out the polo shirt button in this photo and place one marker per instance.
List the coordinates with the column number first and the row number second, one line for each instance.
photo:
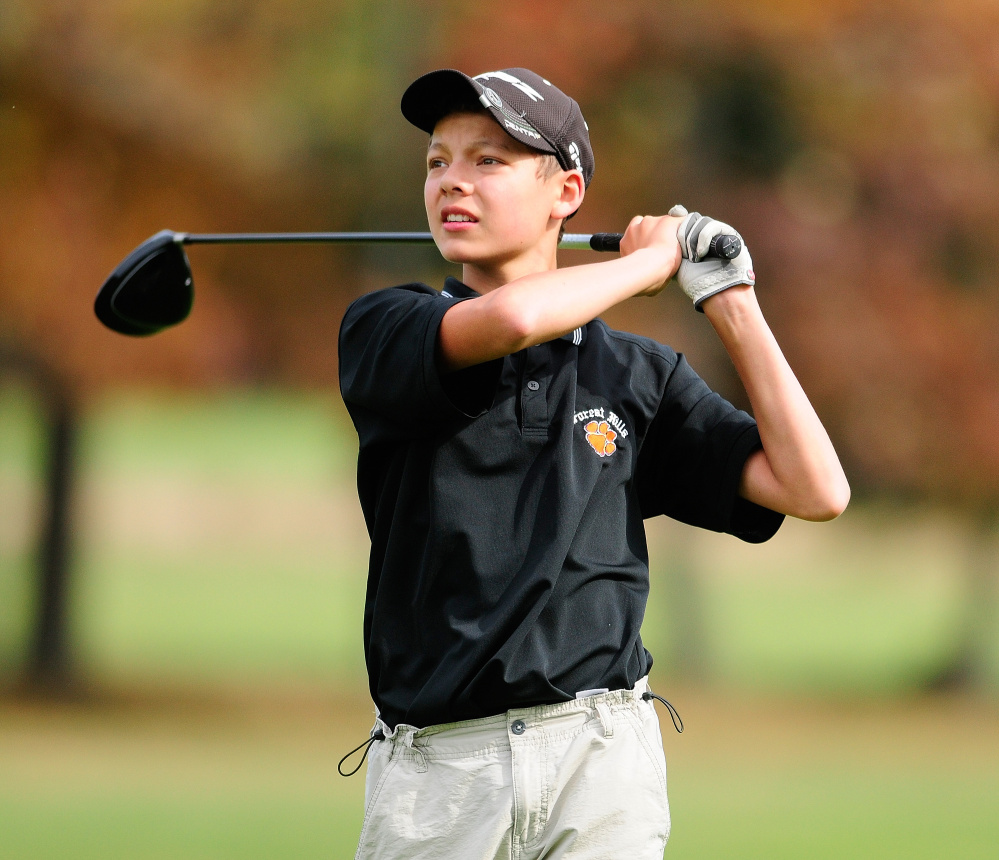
column 518, row 727
column 533, row 386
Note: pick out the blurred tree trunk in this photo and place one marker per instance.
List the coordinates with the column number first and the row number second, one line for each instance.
column 49, row 655
column 48, row 667
column 969, row 667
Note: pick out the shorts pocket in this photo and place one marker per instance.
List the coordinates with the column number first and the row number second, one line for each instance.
column 380, row 764
column 650, row 738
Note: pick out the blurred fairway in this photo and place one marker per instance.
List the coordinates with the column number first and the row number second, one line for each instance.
column 256, row 778
column 218, row 602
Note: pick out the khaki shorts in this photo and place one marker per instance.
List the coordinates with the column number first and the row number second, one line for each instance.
column 580, row 779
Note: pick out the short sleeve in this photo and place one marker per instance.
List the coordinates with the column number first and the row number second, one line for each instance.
column 692, row 457
column 388, row 361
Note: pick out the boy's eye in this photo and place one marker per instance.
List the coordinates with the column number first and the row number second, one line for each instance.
column 434, row 163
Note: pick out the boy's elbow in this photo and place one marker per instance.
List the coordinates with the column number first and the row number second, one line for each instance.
column 828, row 503
column 516, row 324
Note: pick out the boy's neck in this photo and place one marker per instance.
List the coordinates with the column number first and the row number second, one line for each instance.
column 486, row 278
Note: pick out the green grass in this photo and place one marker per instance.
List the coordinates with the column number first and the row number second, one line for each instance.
column 256, row 435
column 750, row 778
column 225, row 615
column 221, row 554
column 914, row 779
column 166, row 828
column 219, row 535
column 141, row 779
column 224, row 540
column 835, row 813
column 870, row 604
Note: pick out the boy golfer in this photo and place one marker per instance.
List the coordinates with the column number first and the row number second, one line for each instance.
column 511, row 445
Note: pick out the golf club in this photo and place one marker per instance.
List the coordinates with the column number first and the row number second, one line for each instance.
column 153, row 289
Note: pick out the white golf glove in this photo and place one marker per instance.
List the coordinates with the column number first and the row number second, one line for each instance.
column 700, row 277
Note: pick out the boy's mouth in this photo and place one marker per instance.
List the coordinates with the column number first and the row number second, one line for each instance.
column 456, row 219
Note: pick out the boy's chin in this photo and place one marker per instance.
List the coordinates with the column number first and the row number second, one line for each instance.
column 461, row 259
column 461, row 256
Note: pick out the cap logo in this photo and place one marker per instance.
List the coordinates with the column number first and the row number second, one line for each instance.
column 517, row 122
column 574, row 155
column 523, row 128
column 491, row 95
column 526, row 89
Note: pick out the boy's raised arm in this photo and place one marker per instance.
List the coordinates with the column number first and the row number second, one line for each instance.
column 545, row 305
column 797, row 472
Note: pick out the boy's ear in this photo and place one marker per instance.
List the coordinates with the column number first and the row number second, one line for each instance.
column 571, row 198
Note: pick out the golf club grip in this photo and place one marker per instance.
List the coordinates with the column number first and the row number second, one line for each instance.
column 725, row 247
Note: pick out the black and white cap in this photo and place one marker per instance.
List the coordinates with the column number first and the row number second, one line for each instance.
column 528, row 107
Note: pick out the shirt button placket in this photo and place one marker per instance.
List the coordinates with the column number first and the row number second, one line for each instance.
column 534, row 399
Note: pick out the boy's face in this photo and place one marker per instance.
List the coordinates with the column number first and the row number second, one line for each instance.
column 486, row 203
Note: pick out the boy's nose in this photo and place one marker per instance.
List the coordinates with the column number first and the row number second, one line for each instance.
column 455, row 180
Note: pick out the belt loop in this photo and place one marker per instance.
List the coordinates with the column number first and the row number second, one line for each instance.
column 606, row 720
column 418, row 754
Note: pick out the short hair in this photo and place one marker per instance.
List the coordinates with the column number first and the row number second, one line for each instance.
column 548, row 166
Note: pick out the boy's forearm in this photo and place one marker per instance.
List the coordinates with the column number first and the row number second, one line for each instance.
column 798, row 471
column 542, row 306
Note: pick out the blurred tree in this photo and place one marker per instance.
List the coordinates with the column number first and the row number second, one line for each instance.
column 49, row 659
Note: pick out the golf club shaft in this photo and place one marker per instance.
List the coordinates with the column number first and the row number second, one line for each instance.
column 253, row 238
column 579, row 241
column 570, row 241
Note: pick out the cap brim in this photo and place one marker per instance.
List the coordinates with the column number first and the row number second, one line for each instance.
column 435, row 94
column 429, row 97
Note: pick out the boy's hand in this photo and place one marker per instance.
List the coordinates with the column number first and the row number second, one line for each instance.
column 658, row 233
column 702, row 278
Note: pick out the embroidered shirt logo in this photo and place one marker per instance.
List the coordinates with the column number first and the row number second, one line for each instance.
column 601, row 437
column 602, row 429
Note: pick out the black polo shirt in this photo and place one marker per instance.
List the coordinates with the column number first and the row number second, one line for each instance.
column 505, row 503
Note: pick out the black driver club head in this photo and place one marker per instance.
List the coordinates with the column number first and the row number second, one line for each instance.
column 150, row 290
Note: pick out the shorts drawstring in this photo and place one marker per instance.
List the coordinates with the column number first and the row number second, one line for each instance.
column 378, row 735
column 677, row 722
column 603, row 711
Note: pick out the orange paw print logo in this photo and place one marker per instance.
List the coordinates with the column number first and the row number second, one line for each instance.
column 601, row 437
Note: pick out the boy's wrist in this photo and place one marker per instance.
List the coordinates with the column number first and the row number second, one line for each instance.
column 659, row 263
column 732, row 305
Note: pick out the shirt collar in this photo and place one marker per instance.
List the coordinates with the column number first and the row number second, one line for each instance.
column 455, row 289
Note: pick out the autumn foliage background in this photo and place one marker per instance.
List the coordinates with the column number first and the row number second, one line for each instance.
column 855, row 145
column 212, row 648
